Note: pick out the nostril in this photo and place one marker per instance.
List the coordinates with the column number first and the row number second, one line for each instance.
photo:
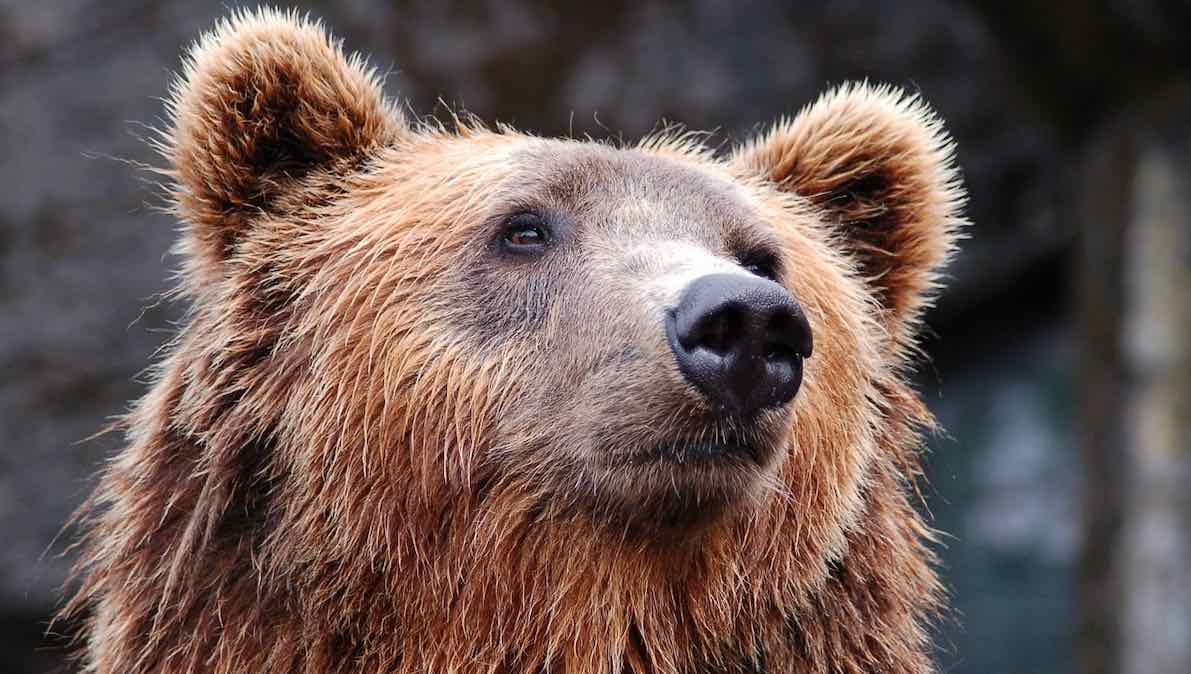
column 779, row 352
column 717, row 330
column 790, row 331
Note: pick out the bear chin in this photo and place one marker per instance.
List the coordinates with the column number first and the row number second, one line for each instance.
column 687, row 483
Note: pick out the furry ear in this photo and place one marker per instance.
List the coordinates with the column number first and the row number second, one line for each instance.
column 879, row 165
column 265, row 99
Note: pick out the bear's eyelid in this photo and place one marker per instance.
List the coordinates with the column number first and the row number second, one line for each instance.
column 762, row 261
column 752, row 243
column 526, row 221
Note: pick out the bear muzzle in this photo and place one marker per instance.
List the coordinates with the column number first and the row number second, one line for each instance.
column 741, row 341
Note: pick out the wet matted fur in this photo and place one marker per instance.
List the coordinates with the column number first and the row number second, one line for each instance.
column 379, row 445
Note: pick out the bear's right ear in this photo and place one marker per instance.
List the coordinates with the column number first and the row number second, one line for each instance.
column 264, row 100
column 881, row 169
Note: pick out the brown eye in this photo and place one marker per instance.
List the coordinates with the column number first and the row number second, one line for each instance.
column 526, row 233
column 760, row 263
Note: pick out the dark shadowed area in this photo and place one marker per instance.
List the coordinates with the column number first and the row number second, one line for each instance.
column 1060, row 359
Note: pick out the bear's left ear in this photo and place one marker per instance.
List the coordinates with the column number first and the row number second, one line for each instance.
column 265, row 100
column 879, row 166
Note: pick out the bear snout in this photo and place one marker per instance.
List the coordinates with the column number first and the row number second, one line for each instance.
column 740, row 340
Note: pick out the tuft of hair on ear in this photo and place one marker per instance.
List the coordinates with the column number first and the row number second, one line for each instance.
column 880, row 167
column 264, row 100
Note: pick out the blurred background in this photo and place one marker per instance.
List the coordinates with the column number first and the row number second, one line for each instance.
column 1060, row 362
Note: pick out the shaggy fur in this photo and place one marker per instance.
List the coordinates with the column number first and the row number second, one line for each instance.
column 375, row 446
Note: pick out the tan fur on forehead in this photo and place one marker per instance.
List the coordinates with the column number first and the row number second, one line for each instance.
column 329, row 475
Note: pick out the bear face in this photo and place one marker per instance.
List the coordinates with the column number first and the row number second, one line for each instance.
column 605, row 419
column 462, row 399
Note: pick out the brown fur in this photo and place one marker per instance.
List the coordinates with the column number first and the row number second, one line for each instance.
column 373, row 449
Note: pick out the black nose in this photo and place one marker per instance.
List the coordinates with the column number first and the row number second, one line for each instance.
column 741, row 341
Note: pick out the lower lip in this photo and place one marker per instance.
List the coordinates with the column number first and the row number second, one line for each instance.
column 700, row 453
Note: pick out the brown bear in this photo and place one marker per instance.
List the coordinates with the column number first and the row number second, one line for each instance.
column 457, row 399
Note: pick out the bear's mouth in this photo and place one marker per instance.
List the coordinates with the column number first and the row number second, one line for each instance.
column 700, row 452
column 680, row 483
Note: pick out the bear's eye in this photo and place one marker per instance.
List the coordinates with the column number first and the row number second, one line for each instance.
column 526, row 232
column 760, row 263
